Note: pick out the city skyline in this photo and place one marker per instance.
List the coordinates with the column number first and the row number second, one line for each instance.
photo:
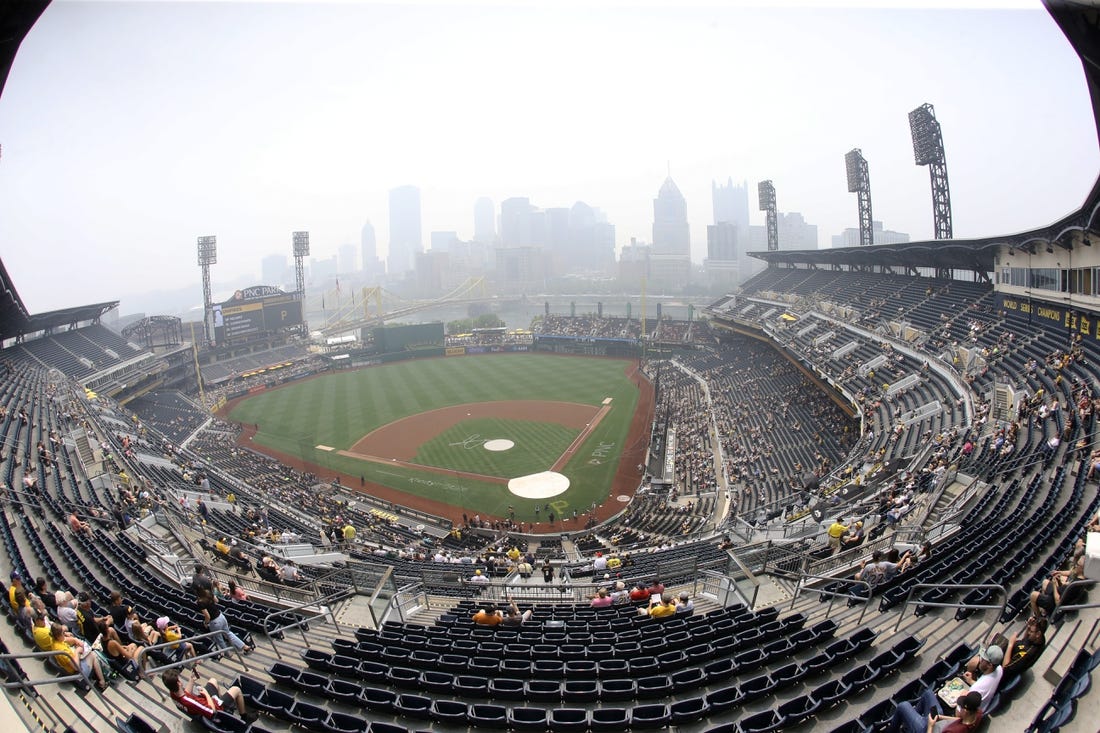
column 130, row 129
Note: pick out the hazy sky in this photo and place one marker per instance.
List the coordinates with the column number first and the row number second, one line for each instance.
column 131, row 128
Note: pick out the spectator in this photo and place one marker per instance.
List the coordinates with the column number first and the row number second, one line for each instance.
column 91, row 626
column 77, row 525
column 479, row 578
column 488, row 616
column 236, row 592
column 1059, row 589
column 215, row 620
column 171, row 632
column 659, row 607
column 620, row 594
column 204, row 699
column 854, row 538
column 74, row 656
column 836, row 531
column 1020, row 650
column 987, row 677
column 601, row 599
column 926, row 715
column 547, row 572
column 514, row 617
column 685, row 606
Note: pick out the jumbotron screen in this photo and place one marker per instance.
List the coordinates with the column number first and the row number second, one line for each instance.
column 253, row 311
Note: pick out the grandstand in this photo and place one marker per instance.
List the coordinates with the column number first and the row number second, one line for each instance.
column 954, row 418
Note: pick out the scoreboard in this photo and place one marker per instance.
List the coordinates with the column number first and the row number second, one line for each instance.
column 254, row 311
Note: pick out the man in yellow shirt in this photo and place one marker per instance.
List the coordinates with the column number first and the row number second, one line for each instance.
column 660, row 607
column 836, row 531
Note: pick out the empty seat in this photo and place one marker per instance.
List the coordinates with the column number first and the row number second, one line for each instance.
column 654, row 686
column 765, row 722
column 724, row 699
column 377, row 700
column 413, row 706
column 448, row 711
column 531, row 719
column 568, row 719
column 580, row 669
column 606, row 719
column 482, row 715
column 307, row 715
column 756, row 688
column 344, row 723
column 542, row 690
column 618, row 689
column 688, row 711
column 470, row 686
column 687, row 679
column 442, row 682
column 649, row 716
column 580, row 691
column 506, row 688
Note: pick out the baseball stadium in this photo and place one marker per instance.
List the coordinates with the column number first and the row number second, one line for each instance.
column 856, row 493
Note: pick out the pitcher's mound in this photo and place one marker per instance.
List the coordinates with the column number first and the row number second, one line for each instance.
column 539, row 485
column 499, row 444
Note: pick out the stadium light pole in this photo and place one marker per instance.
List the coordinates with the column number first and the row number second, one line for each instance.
column 208, row 255
column 859, row 182
column 301, row 251
column 928, row 150
column 766, row 195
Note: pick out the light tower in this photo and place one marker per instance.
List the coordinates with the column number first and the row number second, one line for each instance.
column 766, row 194
column 208, row 255
column 301, row 251
column 928, row 150
column 859, row 182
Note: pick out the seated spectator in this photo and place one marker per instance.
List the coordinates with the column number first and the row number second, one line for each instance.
column 854, row 538
column 289, row 572
column 89, row 625
column 639, row 592
column 488, row 616
column 620, row 594
column 203, row 699
column 479, row 578
column 927, row 716
column 171, row 632
column 16, row 586
column 24, row 618
column 236, row 592
column 514, row 617
column 1059, row 589
column 659, row 607
column 685, row 606
column 1020, row 650
column 987, row 678
column 655, row 588
column 77, row 525
column 73, row 655
column 221, row 546
column 881, row 570
column 601, row 599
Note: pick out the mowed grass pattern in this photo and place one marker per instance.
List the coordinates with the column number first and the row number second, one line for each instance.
column 461, row 447
column 338, row 409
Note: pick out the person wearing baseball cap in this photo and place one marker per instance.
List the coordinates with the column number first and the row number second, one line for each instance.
column 925, row 716
column 171, row 632
column 989, row 675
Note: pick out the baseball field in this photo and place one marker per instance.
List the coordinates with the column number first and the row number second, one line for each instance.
column 488, row 434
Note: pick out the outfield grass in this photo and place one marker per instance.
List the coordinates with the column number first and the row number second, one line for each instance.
column 338, row 409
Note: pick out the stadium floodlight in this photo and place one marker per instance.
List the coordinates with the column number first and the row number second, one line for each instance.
column 928, row 150
column 859, row 182
column 208, row 250
column 301, row 244
column 765, row 191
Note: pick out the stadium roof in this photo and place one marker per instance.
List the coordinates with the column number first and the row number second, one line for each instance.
column 1080, row 22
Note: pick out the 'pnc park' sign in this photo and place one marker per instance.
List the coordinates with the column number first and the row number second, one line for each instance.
column 256, row 292
column 1050, row 316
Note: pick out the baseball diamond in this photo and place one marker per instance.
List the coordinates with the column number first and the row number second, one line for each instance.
column 451, row 435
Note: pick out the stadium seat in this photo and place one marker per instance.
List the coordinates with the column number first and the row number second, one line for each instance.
column 528, row 719
column 604, row 719
column 649, row 716
column 568, row 719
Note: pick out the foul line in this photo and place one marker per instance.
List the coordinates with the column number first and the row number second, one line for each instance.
column 568, row 454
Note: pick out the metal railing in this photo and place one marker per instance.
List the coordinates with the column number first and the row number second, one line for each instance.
column 725, row 589
column 958, row 604
column 1056, row 614
column 22, row 682
column 273, row 633
column 801, row 586
column 145, row 672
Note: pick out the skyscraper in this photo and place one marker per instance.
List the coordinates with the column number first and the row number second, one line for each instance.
column 368, row 245
column 670, row 259
column 485, row 220
column 273, row 270
column 670, row 224
column 731, row 204
column 405, row 236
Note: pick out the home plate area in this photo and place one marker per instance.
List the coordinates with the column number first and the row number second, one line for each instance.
column 541, row 485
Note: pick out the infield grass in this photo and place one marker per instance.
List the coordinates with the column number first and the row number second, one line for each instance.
column 338, row 409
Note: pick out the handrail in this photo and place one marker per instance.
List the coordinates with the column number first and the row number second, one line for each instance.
column 799, row 587
column 271, row 631
column 29, row 684
column 142, row 651
column 960, row 604
column 727, row 583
